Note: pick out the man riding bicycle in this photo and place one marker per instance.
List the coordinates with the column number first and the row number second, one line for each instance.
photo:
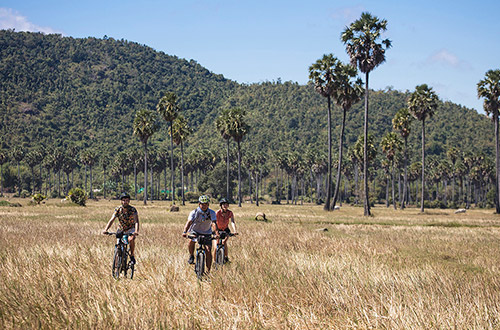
column 224, row 215
column 201, row 221
column 128, row 222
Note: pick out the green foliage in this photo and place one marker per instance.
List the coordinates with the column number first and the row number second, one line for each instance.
column 38, row 198
column 78, row 196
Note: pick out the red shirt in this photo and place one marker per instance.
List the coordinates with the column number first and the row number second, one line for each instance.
column 223, row 219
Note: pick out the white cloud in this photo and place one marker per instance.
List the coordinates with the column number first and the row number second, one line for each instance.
column 443, row 56
column 348, row 14
column 11, row 19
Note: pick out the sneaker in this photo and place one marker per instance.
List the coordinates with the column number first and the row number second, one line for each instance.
column 132, row 260
column 191, row 260
column 226, row 260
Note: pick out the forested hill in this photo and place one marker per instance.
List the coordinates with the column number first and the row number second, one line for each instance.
column 57, row 91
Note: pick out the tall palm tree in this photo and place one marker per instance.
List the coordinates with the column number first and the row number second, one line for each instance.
column 4, row 157
column 346, row 92
column 401, row 123
column 453, row 155
column 104, row 164
column 222, row 125
column 168, row 108
column 145, row 125
column 89, row 158
column 361, row 40
column 238, row 128
column 322, row 76
column 489, row 89
column 423, row 103
column 180, row 132
column 391, row 144
column 18, row 155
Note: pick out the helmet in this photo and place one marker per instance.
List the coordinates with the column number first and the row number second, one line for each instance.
column 124, row 195
column 204, row 199
column 223, row 201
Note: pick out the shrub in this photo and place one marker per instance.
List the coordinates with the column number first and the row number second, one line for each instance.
column 38, row 198
column 77, row 196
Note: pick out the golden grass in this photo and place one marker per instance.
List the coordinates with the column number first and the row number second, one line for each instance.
column 395, row 270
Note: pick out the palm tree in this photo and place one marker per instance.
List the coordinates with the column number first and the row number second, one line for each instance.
column 145, row 125
column 401, row 123
column 104, row 164
column 423, row 103
column 453, row 155
column 391, row 144
column 181, row 131
column 346, row 93
column 4, row 157
column 322, row 76
column 489, row 89
column 168, row 108
column 361, row 39
column 89, row 158
column 18, row 154
column 222, row 125
column 238, row 128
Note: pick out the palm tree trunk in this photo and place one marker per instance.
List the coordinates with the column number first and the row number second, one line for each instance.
column 405, row 183
column 423, row 166
column 497, row 164
column 387, row 192
column 339, row 168
column 227, row 170
column 145, row 173
column 329, row 177
column 91, row 190
column 172, row 164
column 393, row 192
column 365, row 152
column 182, row 174
column 239, row 174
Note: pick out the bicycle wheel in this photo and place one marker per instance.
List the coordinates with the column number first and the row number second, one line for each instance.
column 117, row 263
column 199, row 267
column 129, row 269
column 219, row 255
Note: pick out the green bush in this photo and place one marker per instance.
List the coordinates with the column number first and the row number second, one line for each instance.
column 77, row 196
column 38, row 198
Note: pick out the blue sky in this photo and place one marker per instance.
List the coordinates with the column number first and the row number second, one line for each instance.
column 448, row 45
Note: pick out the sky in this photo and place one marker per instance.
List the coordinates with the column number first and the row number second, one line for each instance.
column 449, row 45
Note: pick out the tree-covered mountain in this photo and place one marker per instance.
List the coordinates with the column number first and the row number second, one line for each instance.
column 60, row 91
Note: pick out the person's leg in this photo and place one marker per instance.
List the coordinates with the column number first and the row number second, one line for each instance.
column 209, row 257
column 214, row 248
column 131, row 242
column 226, row 252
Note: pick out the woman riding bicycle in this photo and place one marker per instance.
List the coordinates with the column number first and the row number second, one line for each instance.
column 202, row 222
column 224, row 215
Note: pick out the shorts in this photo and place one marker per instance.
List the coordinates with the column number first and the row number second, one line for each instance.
column 205, row 239
column 130, row 231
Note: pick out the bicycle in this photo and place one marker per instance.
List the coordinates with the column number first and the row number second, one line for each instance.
column 122, row 253
column 220, row 252
column 201, row 256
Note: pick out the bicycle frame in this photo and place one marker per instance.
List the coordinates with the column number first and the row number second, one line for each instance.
column 122, row 253
column 201, row 254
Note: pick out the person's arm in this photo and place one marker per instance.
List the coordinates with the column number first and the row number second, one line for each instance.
column 233, row 224
column 136, row 220
column 186, row 227
column 110, row 223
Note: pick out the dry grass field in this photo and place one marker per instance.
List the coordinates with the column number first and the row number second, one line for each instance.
column 395, row 270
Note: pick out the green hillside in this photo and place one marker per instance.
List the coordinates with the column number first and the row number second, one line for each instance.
column 60, row 91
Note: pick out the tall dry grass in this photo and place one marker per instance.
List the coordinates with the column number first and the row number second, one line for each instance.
column 396, row 270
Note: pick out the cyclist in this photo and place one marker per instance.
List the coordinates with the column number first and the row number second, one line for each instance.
column 224, row 215
column 128, row 222
column 200, row 221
